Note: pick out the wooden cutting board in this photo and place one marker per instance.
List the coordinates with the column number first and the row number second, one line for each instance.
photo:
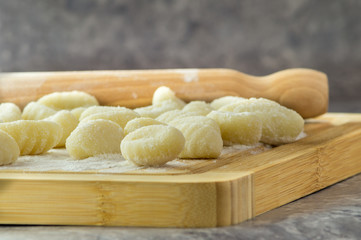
column 241, row 184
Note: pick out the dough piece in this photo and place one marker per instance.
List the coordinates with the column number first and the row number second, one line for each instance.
column 120, row 116
column 152, row 145
column 68, row 123
column 94, row 137
column 9, row 112
column 169, row 116
column 33, row 136
column 37, row 111
column 136, row 123
column 165, row 94
column 199, row 107
column 238, row 128
column 280, row 125
column 203, row 137
column 154, row 111
column 101, row 109
column 77, row 112
column 220, row 102
column 9, row 149
column 68, row 100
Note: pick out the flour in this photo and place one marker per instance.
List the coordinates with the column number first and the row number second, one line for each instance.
column 59, row 160
column 189, row 75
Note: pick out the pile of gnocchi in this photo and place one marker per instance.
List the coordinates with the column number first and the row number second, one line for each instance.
column 145, row 136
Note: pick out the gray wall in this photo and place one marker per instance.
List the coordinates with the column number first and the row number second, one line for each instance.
column 253, row 36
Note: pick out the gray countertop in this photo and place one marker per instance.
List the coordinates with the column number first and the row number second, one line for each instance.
column 332, row 213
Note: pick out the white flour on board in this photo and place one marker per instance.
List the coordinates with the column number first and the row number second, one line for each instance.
column 59, row 160
column 189, row 75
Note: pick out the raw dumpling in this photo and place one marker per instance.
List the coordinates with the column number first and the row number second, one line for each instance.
column 152, row 145
column 165, row 94
column 9, row 149
column 203, row 137
column 238, row 128
column 37, row 111
column 68, row 100
column 198, row 107
column 154, row 111
column 9, row 112
column 68, row 123
column 223, row 101
column 136, row 123
column 169, row 116
column 33, row 136
column 280, row 125
column 119, row 115
column 94, row 137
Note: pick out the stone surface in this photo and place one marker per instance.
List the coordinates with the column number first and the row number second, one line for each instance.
column 256, row 37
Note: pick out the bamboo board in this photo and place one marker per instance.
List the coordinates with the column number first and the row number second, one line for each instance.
column 238, row 186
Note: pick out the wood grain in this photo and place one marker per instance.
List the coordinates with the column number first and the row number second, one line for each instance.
column 243, row 186
column 304, row 90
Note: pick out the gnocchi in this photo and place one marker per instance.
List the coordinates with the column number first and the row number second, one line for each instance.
column 136, row 123
column 154, row 111
column 68, row 100
column 120, row 116
column 163, row 93
column 68, row 123
column 33, row 136
column 100, row 109
column 169, row 116
column 77, row 112
column 152, row 145
column 198, row 107
column 222, row 101
column 9, row 112
column 202, row 135
column 94, row 137
column 238, row 128
column 36, row 111
column 9, row 149
column 280, row 125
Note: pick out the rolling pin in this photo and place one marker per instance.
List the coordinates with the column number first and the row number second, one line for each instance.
column 304, row 90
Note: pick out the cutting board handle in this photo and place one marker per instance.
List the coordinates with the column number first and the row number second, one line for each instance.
column 303, row 90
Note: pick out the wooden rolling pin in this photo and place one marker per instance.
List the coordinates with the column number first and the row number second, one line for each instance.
column 303, row 90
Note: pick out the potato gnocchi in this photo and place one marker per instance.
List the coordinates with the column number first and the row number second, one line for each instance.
column 33, row 136
column 9, row 112
column 152, row 145
column 136, row 123
column 37, row 111
column 94, row 137
column 202, row 135
column 198, row 107
column 9, row 149
column 118, row 115
column 77, row 112
column 154, row 135
column 68, row 100
column 223, row 101
column 280, row 125
column 163, row 94
column 154, row 111
column 67, row 121
column 169, row 116
column 238, row 128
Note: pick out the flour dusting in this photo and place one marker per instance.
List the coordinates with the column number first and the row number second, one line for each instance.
column 190, row 75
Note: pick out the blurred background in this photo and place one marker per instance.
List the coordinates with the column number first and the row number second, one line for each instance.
column 257, row 37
